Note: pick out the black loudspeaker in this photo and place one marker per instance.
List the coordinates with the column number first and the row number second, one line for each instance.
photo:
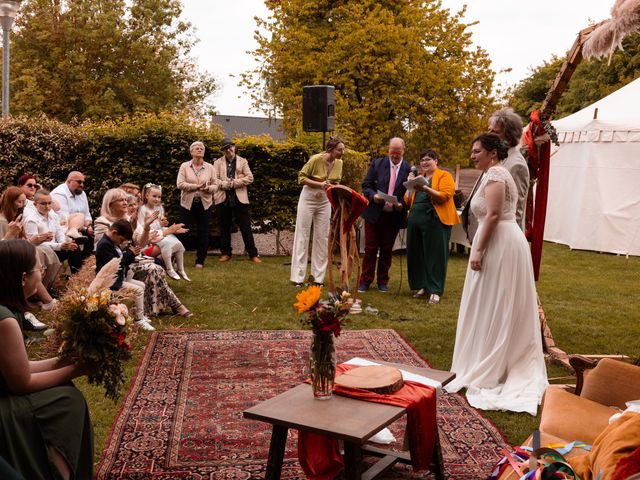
column 318, row 108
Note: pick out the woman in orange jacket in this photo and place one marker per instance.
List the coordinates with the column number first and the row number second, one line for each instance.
column 432, row 214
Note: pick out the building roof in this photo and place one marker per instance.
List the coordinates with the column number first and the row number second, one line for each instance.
column 234, row 125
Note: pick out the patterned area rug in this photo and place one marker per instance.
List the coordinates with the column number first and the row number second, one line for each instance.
column 182, row 417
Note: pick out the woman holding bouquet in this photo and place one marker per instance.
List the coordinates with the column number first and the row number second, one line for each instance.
column 46, row 430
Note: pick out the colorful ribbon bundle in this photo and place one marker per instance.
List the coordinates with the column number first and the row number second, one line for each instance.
column 550, row 461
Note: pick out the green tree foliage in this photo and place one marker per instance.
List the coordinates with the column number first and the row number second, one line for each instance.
column 592, row 80
column 88, row 59
column 400, row 68
column 144, row 148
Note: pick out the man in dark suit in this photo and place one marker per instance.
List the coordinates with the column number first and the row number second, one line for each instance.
column 382, row 219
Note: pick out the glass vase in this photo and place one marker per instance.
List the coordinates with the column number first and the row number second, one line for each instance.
column 322, row 365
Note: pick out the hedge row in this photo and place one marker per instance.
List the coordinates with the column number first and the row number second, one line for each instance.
column 150, row 148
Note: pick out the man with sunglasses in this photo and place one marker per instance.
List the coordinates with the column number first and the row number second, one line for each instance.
column 74, row 208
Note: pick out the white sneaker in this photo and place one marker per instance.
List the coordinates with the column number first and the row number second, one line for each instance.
column 144, row 324
column 51, row 305
column 183, row 274
column 173, row 274
column 34, row 322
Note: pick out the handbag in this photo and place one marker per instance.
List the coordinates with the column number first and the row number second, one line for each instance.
column 458, row 198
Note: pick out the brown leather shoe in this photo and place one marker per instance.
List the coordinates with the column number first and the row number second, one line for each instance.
column 224, row 258
column 256, row 260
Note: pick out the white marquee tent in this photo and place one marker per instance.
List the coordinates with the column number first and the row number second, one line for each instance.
column 594, row 178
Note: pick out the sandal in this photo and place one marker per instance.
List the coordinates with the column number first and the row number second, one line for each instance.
column 420, row 293
column 434, row 298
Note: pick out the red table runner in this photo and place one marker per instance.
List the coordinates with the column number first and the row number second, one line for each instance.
column 319, row 455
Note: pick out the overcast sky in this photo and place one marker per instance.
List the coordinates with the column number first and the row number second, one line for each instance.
column 517, row 34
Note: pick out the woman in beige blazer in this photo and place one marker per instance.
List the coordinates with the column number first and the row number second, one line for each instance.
column 196, row 181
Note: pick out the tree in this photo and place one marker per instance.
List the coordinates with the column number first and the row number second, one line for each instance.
column 89, row 59
column 592, row 80
column 400, row 68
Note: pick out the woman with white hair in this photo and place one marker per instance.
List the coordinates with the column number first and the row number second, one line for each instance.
column 196, row 182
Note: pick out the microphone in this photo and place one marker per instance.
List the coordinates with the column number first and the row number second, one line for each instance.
column 414, row 170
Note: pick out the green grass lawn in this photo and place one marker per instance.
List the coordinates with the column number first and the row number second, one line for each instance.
column 590, row 299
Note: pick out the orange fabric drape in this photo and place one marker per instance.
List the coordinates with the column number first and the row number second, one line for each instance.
column 319, row 456
column 539, row 156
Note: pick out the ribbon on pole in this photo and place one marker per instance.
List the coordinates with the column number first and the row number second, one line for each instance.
column 538, row 157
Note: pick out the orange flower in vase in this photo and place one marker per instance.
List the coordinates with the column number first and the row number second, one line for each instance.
column 325, row 317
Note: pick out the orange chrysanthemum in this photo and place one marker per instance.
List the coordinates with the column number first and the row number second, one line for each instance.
column 307, row 299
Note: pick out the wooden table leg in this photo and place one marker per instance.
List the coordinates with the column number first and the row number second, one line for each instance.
column 352, row 461
column 276, row 452
column 436, row 458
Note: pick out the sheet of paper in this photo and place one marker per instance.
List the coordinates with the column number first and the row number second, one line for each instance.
column 388, row 198
column 410, row 185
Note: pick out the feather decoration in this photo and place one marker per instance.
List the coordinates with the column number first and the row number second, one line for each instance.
column 607, row 36
column 106, row 276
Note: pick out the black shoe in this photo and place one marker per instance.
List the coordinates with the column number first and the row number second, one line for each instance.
column 81, row 240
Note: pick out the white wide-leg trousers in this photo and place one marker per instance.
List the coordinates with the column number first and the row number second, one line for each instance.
column 313, row 208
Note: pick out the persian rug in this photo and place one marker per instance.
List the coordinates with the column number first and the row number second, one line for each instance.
column 182, row 417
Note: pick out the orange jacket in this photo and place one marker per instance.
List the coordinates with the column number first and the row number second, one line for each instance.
column 442, row 181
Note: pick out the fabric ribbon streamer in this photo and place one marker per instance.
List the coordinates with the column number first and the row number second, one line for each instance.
column 347, row 205
column 320, row 457
column 551, row 462
column 538, row 158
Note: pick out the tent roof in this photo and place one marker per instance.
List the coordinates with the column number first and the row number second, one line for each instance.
column 618, row 111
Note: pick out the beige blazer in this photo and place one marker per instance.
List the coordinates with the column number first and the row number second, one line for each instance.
column 243, row 178
column 188, row 184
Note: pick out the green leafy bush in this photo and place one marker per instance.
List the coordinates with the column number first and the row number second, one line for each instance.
column 45, row 148
column 150, row 148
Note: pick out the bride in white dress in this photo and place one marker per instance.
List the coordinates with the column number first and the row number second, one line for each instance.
column 498, row 354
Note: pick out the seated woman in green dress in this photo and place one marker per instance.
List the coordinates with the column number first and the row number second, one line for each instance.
column 432, row 214
column 45, row 426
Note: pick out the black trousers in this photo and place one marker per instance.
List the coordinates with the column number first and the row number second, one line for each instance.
column 241, row 216
column 74, row 258
column 199, row 218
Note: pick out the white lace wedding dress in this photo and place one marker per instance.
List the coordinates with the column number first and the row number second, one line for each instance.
column 498, row 351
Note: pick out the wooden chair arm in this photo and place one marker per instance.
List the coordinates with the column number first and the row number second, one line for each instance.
column 579, row 365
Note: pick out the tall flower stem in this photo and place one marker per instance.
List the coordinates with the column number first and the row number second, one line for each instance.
column 322, row 364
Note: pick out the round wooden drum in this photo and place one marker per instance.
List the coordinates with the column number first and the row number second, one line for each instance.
column 375, row 378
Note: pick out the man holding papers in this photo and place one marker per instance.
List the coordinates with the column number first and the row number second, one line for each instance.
column 383, row 216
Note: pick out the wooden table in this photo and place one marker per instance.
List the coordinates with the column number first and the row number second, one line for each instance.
column 350, row 420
